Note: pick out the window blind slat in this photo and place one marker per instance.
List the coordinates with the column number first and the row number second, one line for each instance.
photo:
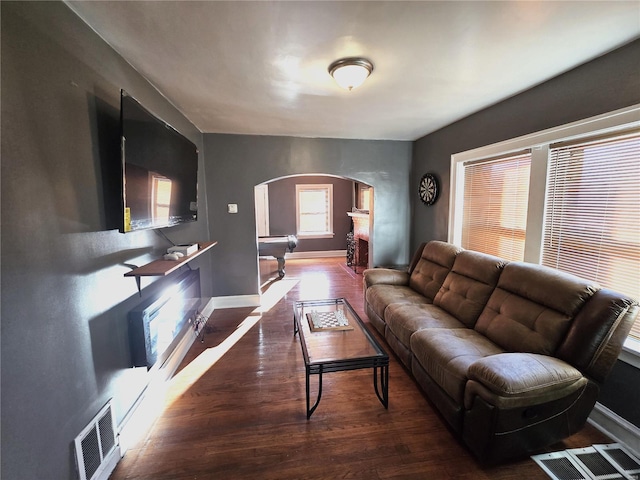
column 592, row 219
column 495, row 202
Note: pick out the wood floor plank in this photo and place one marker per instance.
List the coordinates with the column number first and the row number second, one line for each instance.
column 236, row 407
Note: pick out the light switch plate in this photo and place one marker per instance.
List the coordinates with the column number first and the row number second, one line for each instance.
column 232, row 208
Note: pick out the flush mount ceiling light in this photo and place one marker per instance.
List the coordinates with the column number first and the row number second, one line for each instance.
column 350, row 72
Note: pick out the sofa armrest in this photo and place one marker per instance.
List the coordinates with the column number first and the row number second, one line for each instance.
column 385, row 276
column 513, row 380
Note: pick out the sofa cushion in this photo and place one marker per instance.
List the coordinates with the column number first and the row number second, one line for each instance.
column 380, row 296
column 430, row 271
column 513, row 374
column 384, row 276
column 445, row 355
column 469, row 285
column 417, row 255
column 532, row 307
column 406, row 319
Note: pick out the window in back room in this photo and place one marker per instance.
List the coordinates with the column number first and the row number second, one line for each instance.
column 314, row 210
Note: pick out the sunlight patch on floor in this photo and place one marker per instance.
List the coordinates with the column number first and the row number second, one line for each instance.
column 314, row 285
column 190, row 374
column 275, row 293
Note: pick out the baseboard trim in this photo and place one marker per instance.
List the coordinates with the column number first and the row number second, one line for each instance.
column 614, row 426
column 317, row 254
column 237, row 301
column 171, row 364
column 149, row 404
column 109, row 465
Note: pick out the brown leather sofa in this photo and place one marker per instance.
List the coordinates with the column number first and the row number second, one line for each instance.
column 511, row 354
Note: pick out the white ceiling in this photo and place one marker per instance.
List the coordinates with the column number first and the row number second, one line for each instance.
column 261, row 67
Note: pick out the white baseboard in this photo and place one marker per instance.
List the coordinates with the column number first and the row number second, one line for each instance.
column 171, row 364
column 631, row 352
column 616, row 427
column 209, row 307
column 150, row 402
column 108, row 464
column 317, row 254
column 236, row 301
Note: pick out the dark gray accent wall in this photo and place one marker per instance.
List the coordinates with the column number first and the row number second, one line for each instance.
column 603, row 85
column 65, row 347
column 622, row 392
column 282, row 211
column 236, row 163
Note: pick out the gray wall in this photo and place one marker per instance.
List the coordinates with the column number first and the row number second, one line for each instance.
column 236, row 163
column 282, row 211
column 622, row 392
column 65, row 348
column 602, row 85
column 605, row 84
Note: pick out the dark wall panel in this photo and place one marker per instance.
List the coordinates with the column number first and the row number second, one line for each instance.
column 622, row 392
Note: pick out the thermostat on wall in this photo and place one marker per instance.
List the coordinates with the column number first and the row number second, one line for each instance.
column 183, row 249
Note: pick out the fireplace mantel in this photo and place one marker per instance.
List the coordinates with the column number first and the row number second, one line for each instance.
column 361, row 232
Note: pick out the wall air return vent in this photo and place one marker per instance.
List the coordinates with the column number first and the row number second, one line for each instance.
column 97, row 449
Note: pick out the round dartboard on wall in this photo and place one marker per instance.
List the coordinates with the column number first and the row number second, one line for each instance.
column 428, row 189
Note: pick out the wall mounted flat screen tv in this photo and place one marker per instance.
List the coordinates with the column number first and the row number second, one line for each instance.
column 159, row 170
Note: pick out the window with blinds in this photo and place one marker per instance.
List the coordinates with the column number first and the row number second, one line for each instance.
column 592, row 212
column 494, row 214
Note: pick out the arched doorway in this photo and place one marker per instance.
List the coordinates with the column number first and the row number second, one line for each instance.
column 280, row 211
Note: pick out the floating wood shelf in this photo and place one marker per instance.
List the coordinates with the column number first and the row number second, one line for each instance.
column 161, row 268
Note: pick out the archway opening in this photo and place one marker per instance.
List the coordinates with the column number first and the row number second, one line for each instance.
column 322, row 212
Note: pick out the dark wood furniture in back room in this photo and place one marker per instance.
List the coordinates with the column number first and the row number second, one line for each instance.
column 361, row 236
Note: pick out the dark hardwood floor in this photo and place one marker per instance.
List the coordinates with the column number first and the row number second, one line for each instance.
column 236, row 407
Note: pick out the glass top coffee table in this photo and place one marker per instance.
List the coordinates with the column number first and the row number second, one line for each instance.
column 333, row 339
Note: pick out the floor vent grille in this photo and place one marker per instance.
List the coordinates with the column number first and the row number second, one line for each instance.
column 97, row 451
column 599, row 462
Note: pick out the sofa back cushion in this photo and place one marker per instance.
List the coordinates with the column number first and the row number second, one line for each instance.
column 532, row 307
column 416, row 257
column 432, row 268
column 468, row 286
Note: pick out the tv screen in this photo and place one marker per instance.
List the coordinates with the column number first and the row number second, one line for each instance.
column 159, row 171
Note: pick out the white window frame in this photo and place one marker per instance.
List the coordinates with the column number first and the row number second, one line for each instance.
column 327, row 187
column 539, row 142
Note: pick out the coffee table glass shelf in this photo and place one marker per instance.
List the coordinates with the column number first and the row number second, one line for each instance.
column 333, row 339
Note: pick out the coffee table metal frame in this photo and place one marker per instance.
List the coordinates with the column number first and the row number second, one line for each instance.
column 379, row 361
